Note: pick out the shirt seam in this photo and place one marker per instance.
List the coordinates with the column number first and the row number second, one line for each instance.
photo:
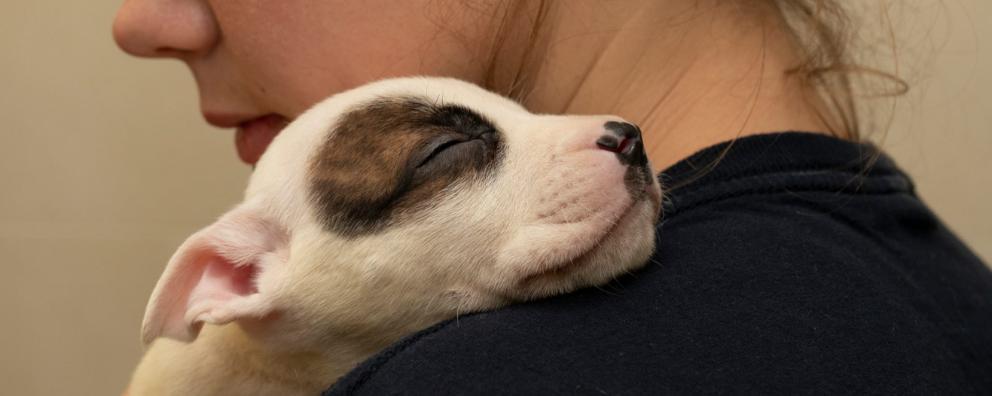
column 677, row 208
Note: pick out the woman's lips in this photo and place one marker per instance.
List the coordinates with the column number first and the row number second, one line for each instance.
column 253, row 136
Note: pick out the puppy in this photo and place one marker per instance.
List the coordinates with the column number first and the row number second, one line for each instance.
column 381, row 211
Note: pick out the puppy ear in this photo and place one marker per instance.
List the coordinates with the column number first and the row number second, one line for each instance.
column 214, row 276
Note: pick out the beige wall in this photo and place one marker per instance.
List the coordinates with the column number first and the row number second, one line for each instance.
column 942, row 130
column 105, row 167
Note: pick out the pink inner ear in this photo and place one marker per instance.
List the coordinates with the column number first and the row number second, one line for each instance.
column 225, row 292
column 222, row 280
column 204, row 287
column 213, row 277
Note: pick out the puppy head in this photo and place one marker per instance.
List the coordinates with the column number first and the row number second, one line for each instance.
column 407, row 201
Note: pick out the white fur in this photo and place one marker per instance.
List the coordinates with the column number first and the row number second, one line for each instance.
column 320, row 303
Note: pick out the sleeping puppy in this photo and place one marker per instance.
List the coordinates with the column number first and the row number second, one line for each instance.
column 382, row 211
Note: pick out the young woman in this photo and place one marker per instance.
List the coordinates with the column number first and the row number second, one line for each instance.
column 791, row 257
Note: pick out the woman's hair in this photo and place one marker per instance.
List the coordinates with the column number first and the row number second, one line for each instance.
column 823, row 29
column 828, row 37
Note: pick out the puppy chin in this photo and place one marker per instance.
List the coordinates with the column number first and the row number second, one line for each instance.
column 625, row 248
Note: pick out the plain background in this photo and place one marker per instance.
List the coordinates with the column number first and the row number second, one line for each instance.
column 106, row 166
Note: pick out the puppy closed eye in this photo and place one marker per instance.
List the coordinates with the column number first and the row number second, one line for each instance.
column 450, row 152
column 468, row 139
column 437, row 147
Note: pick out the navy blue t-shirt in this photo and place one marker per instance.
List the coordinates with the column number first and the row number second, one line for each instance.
column 800, row 263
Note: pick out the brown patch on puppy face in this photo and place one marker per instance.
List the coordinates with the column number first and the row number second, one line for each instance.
column 388, row 158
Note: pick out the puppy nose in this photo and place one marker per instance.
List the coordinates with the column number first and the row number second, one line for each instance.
column 625, row 140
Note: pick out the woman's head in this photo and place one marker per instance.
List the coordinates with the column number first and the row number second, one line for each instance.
column 285, row 55
column 259, row 64
column 252, row 58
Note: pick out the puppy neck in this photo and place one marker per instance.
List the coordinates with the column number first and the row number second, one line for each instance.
column 227, row 360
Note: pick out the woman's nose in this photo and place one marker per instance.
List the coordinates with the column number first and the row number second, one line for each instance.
column 165, row 28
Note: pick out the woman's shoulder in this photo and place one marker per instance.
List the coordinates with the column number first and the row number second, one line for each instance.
column 769, row 275
column 711, row 312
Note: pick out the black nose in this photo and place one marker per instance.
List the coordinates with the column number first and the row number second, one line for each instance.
column 625, row 140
